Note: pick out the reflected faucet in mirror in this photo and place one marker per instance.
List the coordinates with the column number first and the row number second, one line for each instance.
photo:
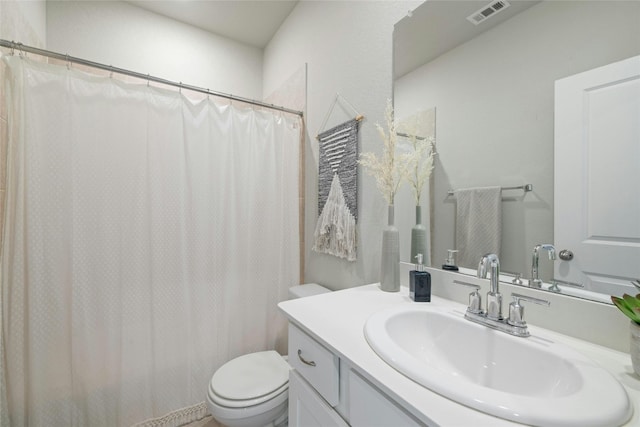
column 534, row 281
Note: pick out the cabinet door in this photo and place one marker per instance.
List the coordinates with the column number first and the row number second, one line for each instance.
column 307, row 408
column 369, row 407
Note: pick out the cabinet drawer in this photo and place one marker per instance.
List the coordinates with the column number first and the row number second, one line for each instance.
column 315, row 363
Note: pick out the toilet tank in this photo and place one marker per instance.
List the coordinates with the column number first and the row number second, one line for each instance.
column 306, row 290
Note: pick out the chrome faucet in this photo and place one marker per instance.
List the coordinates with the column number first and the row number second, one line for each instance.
column 535, row 282
column 494, row 299
column 492, row 318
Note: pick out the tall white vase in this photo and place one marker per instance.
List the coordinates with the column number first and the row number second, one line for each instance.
column 390, row 257
column 419, row 239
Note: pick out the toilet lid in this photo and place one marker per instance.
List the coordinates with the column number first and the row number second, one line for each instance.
column 251, row 376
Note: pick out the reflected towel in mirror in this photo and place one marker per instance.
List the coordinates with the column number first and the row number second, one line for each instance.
column 478, row 223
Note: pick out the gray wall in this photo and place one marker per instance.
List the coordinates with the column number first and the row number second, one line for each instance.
column 24, row 22
column 126, row 36
column 348, row 48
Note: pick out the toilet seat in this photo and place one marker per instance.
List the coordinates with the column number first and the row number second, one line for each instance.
column 250, row 380
column 243, row 403
column 257, row 415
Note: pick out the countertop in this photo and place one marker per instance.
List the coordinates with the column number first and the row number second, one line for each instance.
column 337, row 319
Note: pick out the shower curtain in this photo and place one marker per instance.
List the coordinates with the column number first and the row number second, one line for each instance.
column 147, row 240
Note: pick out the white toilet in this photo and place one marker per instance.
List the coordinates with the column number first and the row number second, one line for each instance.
column 253, row 390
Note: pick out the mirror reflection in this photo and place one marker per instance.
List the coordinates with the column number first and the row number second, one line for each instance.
column 416, row 129
column 493, row 87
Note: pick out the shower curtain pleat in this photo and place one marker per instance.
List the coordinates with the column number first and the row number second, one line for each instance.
column 148, row 239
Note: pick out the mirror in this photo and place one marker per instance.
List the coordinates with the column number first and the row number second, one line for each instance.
column 493, row 87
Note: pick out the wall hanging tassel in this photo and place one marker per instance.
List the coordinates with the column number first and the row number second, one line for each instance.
column 335, row 232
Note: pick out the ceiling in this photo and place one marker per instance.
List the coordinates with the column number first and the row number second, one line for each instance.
column 437, row 26
column 252, row 22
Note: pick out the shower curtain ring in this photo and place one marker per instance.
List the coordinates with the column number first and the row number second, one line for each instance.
column 68, row 62
column 148, row 79
column 21, row 52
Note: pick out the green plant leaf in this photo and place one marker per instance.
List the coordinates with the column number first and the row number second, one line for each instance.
column 621, row 303
column 631, row 301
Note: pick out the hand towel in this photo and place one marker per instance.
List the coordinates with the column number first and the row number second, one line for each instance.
column 478, row 224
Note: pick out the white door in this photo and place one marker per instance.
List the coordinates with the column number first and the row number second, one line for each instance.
column 597, row 177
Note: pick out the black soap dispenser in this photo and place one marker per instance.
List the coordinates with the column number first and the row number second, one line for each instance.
column 450, row 262
column 419, row 282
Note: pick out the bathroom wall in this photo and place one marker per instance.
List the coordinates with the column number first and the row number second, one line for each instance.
column 24, row 21
column 126, row 36
column 347, row 46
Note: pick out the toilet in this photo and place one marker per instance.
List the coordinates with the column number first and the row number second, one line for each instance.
column 253, row 390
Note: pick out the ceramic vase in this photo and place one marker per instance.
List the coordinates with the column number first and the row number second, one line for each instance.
column 419, row 239
column 634, row 347
column 390, row 256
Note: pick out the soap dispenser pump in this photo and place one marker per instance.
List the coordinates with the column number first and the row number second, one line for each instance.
column 450, row 262
column 419, row 282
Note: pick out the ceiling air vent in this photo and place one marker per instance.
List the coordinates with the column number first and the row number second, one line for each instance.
column 488, row 11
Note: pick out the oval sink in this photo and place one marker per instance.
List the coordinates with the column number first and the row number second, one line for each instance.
column 528, row 380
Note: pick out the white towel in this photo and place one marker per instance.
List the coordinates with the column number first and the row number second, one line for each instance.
column 478, row 224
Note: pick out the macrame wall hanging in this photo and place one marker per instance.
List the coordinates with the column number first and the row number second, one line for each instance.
column 335, row 232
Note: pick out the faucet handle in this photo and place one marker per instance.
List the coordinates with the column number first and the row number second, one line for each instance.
column 516, row 310
column 475, row 300
column 516, row 280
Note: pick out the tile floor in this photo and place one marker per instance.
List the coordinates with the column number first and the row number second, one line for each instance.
column 205, row 422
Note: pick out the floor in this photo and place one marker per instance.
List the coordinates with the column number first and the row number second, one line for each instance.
column 205, row 422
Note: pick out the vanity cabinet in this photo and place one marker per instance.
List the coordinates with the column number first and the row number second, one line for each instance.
column 348, row 383
column 325, row 391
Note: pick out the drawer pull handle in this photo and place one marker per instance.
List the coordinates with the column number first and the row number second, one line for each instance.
column 306, row 362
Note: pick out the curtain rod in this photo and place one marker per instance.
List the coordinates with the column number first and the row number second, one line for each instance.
column 43, row 52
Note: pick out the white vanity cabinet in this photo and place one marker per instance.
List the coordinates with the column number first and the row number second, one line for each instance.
column 351, row 385
column 325, row 392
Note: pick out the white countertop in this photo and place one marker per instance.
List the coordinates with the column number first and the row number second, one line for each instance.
column 337, row 320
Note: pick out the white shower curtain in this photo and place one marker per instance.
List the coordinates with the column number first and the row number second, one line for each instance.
column 147, row 240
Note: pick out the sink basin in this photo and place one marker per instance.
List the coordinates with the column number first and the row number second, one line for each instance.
column 529, row 380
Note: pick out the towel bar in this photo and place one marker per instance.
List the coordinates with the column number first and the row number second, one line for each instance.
column 525, row 188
